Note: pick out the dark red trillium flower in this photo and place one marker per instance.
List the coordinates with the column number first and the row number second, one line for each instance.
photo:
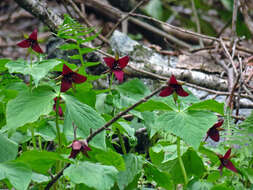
column 225, row 162
column 173, row 86
column 79, row 146
column 31, row 42
column 60, row 112
column 117, row 65
column 69, row 77
column 213, row 132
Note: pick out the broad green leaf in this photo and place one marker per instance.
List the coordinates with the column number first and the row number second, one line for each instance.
column 155, row 9
column 249, row 173
column 94, row 175
column 152, row 105
column 133, row 165
column 213, row 176
column 41, row 69
column 149, row 120
column 18, row 174
column 221, row 187
column 108, row 157
column 40, row 161
column 190, row 125
column 130, row 92
column 162, row 179
column 192, row 163
column 85, row 118
column 39, row 178
column 38, row 70
column 196, row 184
column 28, row 106
column 68, row 46
column 3, row 61
column 210, row 105
column 8, row 149
column 134, row 88
column 18, row 66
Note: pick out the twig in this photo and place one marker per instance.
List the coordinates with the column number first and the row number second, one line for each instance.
column 228, row 56
column 93, row 134
column 197, row 22
column 178, row 28
column 239, row 89
column 54, row 179
column 119, row 115
column 124, row 18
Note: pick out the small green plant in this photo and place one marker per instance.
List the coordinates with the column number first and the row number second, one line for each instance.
column 48, row 120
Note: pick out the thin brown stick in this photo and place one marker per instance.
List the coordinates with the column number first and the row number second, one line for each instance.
column 119, row 115
column 177, row 28
column 124, row 18
column 229, row 56
column 93, row 134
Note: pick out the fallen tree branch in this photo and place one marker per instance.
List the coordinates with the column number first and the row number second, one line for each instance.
column 40, row 10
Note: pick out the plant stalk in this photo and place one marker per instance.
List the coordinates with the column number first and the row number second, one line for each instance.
column 57, row 121
column 121, row 141
column 181, row 161
column 33, row 138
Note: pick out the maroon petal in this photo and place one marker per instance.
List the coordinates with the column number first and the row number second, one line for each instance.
column 219, row 123
column 74, row 153
column 123, row 61
column 60, row 112
column 33, row 35
column 76, row 145
column 215, row 135
column 229, row 165
column 37, row 48
column 24, row 44
column 180, row 91
column 173, row 80
column 85, row 149
column 66, row 70
column 226, row 156
column 166, row 91
column 220, row 167
column 65, row 85
column 119, row 75
column 77, row 78
column 109, row 61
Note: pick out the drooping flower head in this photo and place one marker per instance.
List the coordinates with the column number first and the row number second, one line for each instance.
column 69, row 77
column 213, row 132
column 174, row 87
column 79, row 146
column 60, row 112
column 117, row 65
column 225, row 162
column 31, row 42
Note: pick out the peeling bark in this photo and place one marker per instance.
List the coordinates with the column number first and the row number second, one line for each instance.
column 40, row 10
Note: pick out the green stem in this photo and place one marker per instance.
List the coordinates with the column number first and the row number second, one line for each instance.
column 33, row 138
column 181, row 161
column 80, row 53
column 121, row 141
column 40, row 143
column 57, row 121
column 30, row 77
